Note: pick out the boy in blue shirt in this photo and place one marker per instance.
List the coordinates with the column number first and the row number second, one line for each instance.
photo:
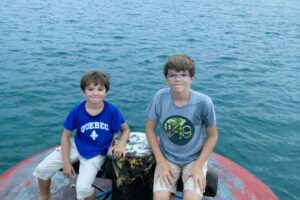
column 184, row 116
column 95, row 121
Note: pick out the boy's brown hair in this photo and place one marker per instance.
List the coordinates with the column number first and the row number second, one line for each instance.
column 95, row 77
column 180, row 62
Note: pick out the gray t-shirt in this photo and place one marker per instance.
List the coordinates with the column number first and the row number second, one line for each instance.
column 181, row 128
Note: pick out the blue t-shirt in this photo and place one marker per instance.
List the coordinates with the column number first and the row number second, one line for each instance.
column 94, row 134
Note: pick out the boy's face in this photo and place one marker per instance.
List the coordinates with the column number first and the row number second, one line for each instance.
column 179, row 81
column 95, row 93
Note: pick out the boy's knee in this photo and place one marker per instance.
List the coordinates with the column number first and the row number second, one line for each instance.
column 40, row 172
column 189, row 190
column 190, row 194
column 84, row 191
column 161, row 195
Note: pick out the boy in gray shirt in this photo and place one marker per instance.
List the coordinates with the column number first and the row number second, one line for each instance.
column 184, row 116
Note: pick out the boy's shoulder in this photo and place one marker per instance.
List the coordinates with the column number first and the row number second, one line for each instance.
column 162, row 95
column 163, row 91
column 198, row 97
column 199, row 94
column 80, row 105
column 110, row 106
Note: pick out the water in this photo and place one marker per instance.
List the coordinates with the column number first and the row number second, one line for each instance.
column 248, row 59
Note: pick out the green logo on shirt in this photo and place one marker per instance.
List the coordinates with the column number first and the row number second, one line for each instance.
column 180, row 130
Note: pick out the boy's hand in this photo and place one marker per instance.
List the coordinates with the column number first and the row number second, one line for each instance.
column 118, row 151
column 197, row 174
column 68, row 170
column 164, row 173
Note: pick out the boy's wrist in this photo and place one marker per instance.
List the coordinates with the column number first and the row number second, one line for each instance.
column 67, row 163
column 159, row 161
column 199, row 164
column 120, row 145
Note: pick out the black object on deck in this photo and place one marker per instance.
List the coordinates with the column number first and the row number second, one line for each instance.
column 135, row 178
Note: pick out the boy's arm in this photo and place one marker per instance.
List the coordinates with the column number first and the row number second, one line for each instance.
column 65, row 150
column 119, row 148
column 164, row 171
column 153, row 141
column 208, row 146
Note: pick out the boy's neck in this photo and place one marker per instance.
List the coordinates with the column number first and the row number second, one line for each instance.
column 181, row 99
column 94, row 108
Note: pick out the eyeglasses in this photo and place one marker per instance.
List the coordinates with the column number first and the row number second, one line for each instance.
column 181, row 75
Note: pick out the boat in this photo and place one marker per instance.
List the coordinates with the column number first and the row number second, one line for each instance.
column 234, row 182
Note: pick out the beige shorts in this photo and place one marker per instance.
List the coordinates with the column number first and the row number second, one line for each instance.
column 187, row 185
column 88, row 169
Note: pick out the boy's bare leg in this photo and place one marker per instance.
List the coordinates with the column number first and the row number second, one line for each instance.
column 45, row 189
column 92, row 197
column 191, row 195
column 161, row 195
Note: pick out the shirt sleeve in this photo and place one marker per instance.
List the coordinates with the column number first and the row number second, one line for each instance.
column 153, row 108
column 209, row 116
column 117, row 120
column 70, row 121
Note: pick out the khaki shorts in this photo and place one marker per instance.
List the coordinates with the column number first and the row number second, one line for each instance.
column 88, row 169
column 187, row 185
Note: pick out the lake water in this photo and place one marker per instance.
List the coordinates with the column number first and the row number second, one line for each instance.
column 247, row 55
